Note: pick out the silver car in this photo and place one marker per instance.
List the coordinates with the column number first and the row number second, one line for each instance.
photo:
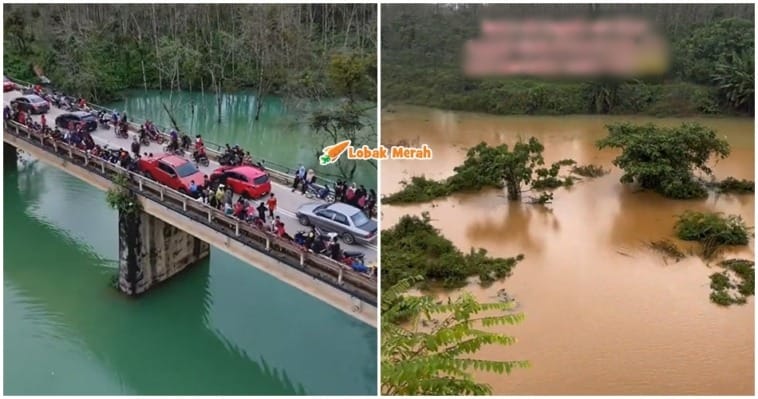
column 31, row 103
column 349, row 222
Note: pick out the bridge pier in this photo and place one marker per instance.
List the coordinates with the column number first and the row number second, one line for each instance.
column 10, row 155
column 151, row 251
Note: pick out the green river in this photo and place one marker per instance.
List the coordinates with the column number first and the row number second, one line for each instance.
column 281, row 136
column 221, row 327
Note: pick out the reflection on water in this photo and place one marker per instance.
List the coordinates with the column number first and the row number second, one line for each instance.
column 221, row 327
column 282, row 136
column 604, row 314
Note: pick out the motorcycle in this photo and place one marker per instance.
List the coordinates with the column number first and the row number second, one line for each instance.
column 175, row 149
column 228, row 159
column 323, row 193
column 201, row 160
column 122, row 131
column 144, row 139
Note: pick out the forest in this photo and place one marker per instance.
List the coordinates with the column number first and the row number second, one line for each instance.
column 711, row 70
column 96, row 50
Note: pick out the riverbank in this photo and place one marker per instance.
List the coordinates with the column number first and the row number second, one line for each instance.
column 447, row 89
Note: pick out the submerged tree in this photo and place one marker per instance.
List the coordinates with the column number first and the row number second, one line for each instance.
column 435, row 360
column 663, row 159
column 518, row 168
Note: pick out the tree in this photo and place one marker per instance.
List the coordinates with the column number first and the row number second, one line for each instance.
column 435, row 360
column 343, row 123
column 663, row 159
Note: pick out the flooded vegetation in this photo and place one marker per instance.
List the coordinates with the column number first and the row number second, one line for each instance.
column 607, row 307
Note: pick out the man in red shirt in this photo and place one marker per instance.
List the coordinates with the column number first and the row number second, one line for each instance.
column 271, row 203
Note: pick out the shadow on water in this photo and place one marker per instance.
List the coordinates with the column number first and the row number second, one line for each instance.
column 149, row 351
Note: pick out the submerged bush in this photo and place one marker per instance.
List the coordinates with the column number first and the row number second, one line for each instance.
column 712, row 230
column 735, row 284
column 732, row 185
column 668, row 248
column 589, row 170
column 413, row 247
column 664, row 159
column 420, row 189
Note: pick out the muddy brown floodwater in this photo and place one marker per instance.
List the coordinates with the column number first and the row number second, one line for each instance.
column 604, row 314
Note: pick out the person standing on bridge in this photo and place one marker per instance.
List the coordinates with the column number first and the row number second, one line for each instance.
column 262, row 212
column 135, row 145
column 43, row 121
column 6, row 113
column 220, row 196
column 271, row 204
column 228, row 196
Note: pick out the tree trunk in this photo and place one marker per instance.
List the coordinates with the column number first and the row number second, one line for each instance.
column 514, row 191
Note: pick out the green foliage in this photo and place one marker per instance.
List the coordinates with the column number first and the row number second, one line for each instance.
column 437, row 360
column 732, row 185
column 413, row 247
column 699, row 54
column 712, row 230
column 589, row 170
column 420, row 189
column 353, row 75
column 121, row 197
column 98, row 50
column 663, row 159
column 734, row 76
column 487, row 166
column 735, row 284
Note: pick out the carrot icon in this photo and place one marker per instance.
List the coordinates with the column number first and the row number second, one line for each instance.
column 332, row 153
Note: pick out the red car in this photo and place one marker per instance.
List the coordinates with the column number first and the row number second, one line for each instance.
column 247, row 181
column 8, row 85
column 172, row 171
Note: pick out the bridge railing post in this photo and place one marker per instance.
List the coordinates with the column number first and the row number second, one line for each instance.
column 210, row 215
column 140, row 184
column 163, row 191
column 184, row 203
column 237, row 227
column 302, row 259
column 339, row 277
column 102, row 165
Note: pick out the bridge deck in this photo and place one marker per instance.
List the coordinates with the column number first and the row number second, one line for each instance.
column 313, row 274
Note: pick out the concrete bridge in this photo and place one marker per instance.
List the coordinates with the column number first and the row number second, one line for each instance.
column 174, row 231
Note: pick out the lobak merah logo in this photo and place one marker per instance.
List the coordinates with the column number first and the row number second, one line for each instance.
column 332, row 153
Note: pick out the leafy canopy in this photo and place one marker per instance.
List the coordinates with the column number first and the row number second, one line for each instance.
column 418, row 360
column 663, row 159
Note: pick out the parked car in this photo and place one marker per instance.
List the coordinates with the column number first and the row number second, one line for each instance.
column 247, row 181
column 89, row 120
column 31, row 103
column 349, row 222
column 8, row 84
column 172, row 171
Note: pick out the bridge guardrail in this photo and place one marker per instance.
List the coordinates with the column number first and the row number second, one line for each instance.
column 280, row 173
column 334, row 273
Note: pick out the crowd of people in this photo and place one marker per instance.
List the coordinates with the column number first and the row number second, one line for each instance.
column 355, row 195
column 214, row 193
